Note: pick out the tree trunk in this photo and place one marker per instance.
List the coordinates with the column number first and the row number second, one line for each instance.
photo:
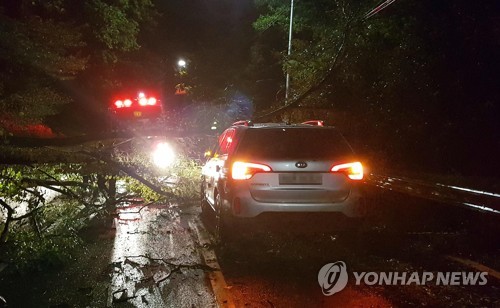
column 10, row 213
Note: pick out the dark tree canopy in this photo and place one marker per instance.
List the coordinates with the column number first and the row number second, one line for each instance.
column 415, row 83
column 51, row 50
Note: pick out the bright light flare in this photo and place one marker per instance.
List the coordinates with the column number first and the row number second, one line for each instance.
column 143, row 101
column 353, row 170
column 163, row 155
column 152, row 101
column 127, row 103
column 119, row 104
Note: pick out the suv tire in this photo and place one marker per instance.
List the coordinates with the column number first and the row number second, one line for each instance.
column 224, row 222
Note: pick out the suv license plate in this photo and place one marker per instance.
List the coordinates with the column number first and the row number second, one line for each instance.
column 301, row 179
column 137, row 114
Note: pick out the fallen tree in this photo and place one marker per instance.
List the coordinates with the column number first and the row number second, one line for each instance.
column 56, row 190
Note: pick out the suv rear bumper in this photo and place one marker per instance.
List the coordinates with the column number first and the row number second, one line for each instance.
column 243, row 205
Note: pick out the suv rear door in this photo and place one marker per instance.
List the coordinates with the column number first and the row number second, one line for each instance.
column 301, row 159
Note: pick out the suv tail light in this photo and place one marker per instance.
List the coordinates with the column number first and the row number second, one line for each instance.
column 244, row 171
column 353, row 170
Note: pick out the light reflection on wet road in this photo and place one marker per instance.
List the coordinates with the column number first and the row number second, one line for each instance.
column 150, row 242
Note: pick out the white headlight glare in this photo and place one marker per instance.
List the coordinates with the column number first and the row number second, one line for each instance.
column 163, row 155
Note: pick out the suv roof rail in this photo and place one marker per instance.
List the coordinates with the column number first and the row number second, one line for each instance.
column 244, row 123
column 314, row 122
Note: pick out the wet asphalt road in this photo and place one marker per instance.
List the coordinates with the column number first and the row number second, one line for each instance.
column 164, row 256
column 155, row 260
column 277, row 264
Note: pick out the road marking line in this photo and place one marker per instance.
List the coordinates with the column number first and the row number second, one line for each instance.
column 469, row 190
column 481, row 208
column 476, row 266
column 217, row 281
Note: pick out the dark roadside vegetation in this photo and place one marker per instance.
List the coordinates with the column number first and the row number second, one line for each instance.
column 413, row 88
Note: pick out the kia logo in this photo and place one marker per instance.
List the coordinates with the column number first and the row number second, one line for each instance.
column 301, row 164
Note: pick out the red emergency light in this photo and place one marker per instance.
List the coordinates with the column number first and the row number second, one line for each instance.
column 141, row 99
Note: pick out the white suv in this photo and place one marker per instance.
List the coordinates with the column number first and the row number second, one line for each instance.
column 261, row 168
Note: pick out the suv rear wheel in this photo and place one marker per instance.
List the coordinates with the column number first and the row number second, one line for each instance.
column 224, row 221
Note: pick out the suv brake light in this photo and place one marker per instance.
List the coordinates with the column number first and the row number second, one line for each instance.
column 244, row 123
column 244, row 171
column 353, row 170
column 314, row 122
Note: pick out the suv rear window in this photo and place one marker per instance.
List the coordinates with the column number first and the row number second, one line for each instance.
column 293, row 142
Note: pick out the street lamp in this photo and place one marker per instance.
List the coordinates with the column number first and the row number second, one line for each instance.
column 181, row 63
column 180, row 88
column 287, row 86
